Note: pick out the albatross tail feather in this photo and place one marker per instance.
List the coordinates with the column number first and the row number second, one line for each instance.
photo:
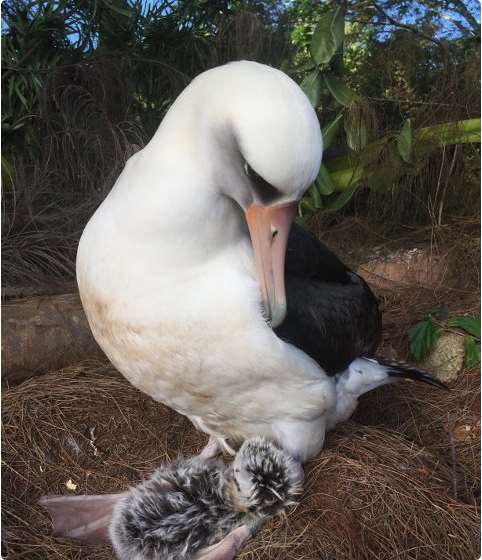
column 364, row 375
column 407, row 371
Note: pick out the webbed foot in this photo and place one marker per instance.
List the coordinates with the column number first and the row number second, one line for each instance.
column 227, row 548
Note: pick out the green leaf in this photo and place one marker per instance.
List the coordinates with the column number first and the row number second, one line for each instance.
column 323, row 181
column 340, row 91
column 306, row 206
column 37, row 83
column 7, row 172
column 328, row 36
column 422, row 338
column 329, row 131
column 342, row 199
column 346, row 178
column 456, row 132
column 315, row 197
column 312, row 85
column 307, row 67
column 470, row 325
column 337, row 64
column 472, row 351
column 21, row 96
column 341, row 168
column 404, row 142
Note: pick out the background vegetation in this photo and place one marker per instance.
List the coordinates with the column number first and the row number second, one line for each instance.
column 86, row 83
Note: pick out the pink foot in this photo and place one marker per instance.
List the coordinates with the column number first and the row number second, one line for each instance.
column 84, row 518
column 227, row 548
column 211, row 449
column 214, row 447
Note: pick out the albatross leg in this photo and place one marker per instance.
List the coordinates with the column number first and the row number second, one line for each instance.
column 227, row 548
column 214, row 447
column 211, row 449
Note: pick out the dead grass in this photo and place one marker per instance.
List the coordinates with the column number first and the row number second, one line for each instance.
column 359, row 240
column 396, row 482
column 86, row 424
column 85, row 136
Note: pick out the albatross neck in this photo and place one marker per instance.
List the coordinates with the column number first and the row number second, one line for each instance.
column 192, row 158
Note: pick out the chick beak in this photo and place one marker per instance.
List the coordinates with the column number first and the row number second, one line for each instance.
column 269, row 229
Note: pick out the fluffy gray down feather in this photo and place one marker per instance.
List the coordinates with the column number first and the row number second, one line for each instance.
column 192, row 503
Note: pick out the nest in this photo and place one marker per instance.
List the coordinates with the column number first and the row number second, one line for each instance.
column 399, row 480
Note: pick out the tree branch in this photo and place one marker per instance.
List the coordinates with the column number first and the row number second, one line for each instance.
column 411, row 28
column 457, row 24
column 464, row 11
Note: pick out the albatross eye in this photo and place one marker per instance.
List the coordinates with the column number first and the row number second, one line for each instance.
column 265, row 192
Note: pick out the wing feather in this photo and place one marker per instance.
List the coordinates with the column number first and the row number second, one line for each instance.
column 332, row 316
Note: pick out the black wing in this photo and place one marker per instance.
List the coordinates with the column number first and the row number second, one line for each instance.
column 332, row 314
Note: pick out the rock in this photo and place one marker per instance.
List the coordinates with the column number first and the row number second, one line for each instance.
column 446, row 359
column 418, row 266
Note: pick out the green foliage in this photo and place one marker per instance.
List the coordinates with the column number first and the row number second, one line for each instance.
column 472, row 351
column 326, row 47
column 455, row 132
column 7, row 173
column 366, row 164
column 405, row 143
column 85, row 84
column 337, row 49
column 160, row 45
column 312, row 85
column 323, row 182
column 328, row 36
column 314, row 194
column 424, row 335
column 329, row 131
column 343, row 198
column 471, row 325
column 338, row 89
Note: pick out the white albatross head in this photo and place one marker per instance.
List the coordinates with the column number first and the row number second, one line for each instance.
column 261, row 141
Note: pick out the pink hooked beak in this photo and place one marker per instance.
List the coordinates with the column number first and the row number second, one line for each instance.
column 269, row 229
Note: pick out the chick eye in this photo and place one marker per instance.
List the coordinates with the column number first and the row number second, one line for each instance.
column 265, row 192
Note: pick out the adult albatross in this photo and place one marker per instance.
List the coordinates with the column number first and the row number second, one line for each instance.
column 181, row 271
column 181, row 274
